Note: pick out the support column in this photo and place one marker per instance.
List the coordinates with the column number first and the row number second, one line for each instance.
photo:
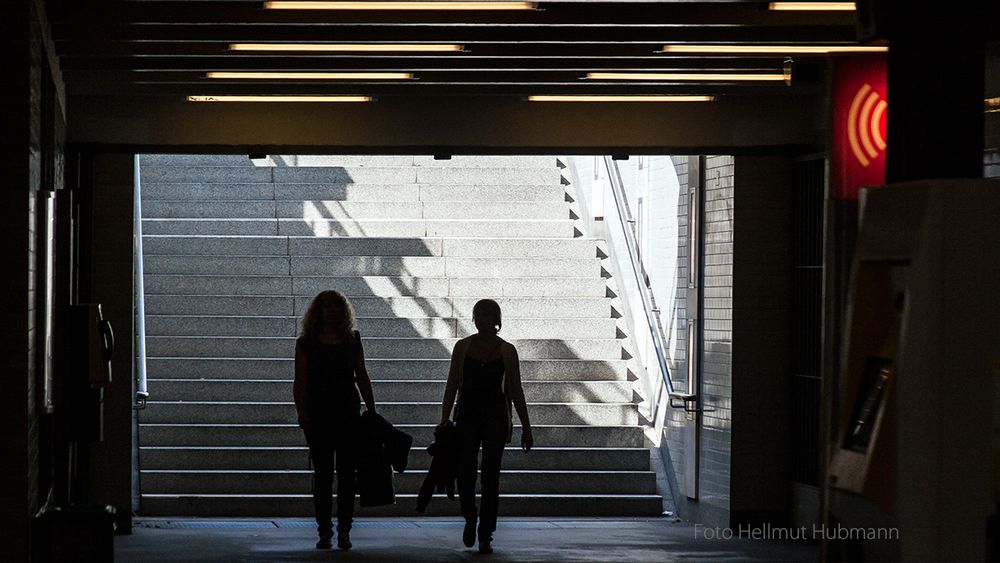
column 17, row 499
column 936, row 69
column 110, row 284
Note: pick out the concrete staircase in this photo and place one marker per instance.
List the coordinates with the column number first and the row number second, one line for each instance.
column 234, row 252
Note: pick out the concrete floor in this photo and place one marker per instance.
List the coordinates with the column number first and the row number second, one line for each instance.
column 439, row 539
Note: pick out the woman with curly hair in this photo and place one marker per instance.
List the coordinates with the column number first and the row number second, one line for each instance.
column 329, row 374
column 486, row 377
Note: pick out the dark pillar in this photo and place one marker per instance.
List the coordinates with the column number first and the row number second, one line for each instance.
column 761, row 353
column 110, row 284
column 936, row 69
column 17, row 498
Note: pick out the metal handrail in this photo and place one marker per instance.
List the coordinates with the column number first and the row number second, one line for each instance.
column 689, row 400
column 141, row 393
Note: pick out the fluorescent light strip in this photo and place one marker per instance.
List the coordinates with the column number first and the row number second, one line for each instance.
column 279, row 98
column 289, row 5
column 348, row 47
column 773, row 49
column 311, row 75
column 621, row 98
column 692, row 76
column 813, row 6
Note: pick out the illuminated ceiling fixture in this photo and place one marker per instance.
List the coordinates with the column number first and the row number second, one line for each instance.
column 689, row 76
column 813, row 6
column 773, row 49
column 279, row 98
column 311, row 75
column 562, row 98
column 416, row 5
column 992, row 105
column 348, row 47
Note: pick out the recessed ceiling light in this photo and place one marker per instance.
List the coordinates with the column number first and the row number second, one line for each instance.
column 348, row 47
column 279, row 98
column 416, row 5
column 689, row 76
column 773, row 49
column 311, row 75
column 813, row 6
column 598, row 98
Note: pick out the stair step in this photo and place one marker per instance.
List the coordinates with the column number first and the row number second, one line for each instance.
column 218, row 412
column 210, row 209
column 283, row 447
column 390, row 390
column 217, row 191
column 427, row 210
column 430, row 266
column 354, row 175
column 229, row 245
column 489, row 161
column 509, row 228
column 193, row 160
column 241, row 160
column 371, row 286
column 299, row 482
column 225, row 174
column 203, row 191
column 302, row 506
column 378, row 368
column 424, row 327
column 401, row 348
column 216, row 285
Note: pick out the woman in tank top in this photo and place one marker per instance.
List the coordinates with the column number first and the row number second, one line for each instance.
column 485, row 375
column 330, row 381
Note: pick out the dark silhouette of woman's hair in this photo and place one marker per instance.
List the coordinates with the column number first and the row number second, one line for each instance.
column 312, row 319
column 488, row 307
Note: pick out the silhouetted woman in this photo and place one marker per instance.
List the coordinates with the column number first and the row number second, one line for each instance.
column 329, row 372
column 485, row 375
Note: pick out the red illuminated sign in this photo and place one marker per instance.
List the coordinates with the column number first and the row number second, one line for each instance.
column 859, row 124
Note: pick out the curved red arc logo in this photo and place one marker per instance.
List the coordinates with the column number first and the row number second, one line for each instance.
column 864, row 125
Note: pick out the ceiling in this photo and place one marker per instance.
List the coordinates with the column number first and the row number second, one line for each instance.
column 165, row 48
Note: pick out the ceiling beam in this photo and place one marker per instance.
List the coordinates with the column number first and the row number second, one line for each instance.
column 84, row 37
column 458, row 125
column 426, row 88
column 75, row 12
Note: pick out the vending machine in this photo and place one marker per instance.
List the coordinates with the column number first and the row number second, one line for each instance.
column 914, row 456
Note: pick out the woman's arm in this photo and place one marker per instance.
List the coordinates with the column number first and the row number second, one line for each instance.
column 299, row 385
column 451, row 388
column 517, row 397
column 364, row 382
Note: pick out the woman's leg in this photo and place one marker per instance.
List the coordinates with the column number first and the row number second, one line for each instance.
column 321, row 450
column 468, row 467
column 346, row 480
column 493, row 445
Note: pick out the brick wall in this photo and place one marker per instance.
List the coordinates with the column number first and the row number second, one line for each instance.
column 21, row 157
column 676, row 240
column 716, row 436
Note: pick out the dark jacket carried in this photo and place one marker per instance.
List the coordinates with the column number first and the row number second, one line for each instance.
column 381, row 449
column 444, row 465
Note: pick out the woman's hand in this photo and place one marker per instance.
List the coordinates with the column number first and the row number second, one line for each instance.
column 527, row 440
column 303, row 420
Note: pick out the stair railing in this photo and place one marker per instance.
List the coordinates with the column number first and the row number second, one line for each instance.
column 687, row 401
column 141, row 393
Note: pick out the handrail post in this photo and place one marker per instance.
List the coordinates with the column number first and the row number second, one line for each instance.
column 141, row 393
column 689, row 400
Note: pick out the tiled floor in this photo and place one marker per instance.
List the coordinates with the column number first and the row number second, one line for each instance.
column 439, row 539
